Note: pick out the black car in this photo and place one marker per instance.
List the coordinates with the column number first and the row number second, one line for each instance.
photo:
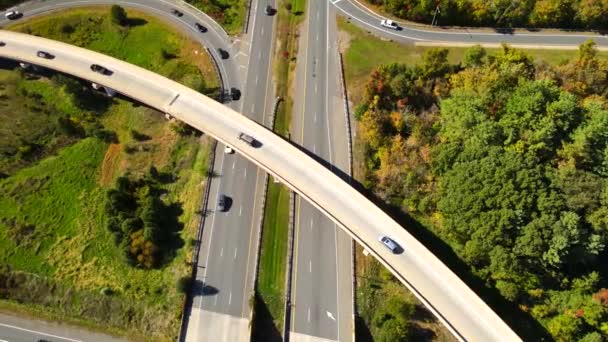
column 200, row 28
column 2, row 43
column 176, row 13
column 235, row 94
column 269, row 10
column 223, row 203
column 99, row 69
column 44, row 54
column 223, row 53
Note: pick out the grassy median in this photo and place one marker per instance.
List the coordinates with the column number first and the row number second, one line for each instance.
column 271, row 281
column 63, row 147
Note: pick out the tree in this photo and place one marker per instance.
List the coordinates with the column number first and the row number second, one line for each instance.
column 474, row 56
column 119, row 15
column 391, row 320
column 564, row 327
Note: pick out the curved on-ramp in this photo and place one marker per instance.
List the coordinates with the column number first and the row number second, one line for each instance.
column 457, row 306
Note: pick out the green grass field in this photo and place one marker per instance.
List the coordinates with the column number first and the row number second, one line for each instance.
column 52, row 217
column 361, row 45
column 228, row 13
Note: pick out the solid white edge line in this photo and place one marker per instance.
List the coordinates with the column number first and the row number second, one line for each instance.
column 38, row 332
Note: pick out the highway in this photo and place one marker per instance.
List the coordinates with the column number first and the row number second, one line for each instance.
column 322, row 277
column 20, row 329
column 226, row 262
column 446, row 296
column 369, row 20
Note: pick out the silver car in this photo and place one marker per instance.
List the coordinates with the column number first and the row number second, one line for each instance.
column 390, row 244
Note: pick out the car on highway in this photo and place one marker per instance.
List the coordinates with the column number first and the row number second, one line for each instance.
column 269, row 10
column 99, row 69
column 235, row 94
column 390, row 244
column 223, row 203
column 228, row 150
column 223, row 53
column 389, row 23
column 200, row 28
column 177, row 13
column 12, row 14
column 44, row 54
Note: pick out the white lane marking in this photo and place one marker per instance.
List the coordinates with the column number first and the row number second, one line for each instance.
column 376, row 27
column 309, row 315
column 316, row 88
column 235, row 253
column 310, row 266
column 260, row 55
column 262, row 30
column 233, row 162
column 252, row 108
column 240, row 210
column 330, row 315
column 230, row 298
column 212, row 225
column 38, row 332
column 245, row 172
column 315, row 117
column 314, row 148
column 310, row 223
column 335, row 2
column 3, row 341
column 257, row 79
column 215, row 301
column 222, row 252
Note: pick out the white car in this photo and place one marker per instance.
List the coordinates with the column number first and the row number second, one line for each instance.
column 389, row 23
column 228, row 150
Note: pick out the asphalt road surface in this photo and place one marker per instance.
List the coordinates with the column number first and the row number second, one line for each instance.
column 20, row 329
column 369, row 20
column 227, row 258
column 322, row 279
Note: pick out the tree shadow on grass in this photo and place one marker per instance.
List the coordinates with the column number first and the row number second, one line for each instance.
column 171, row 240
column 263, row 328
column 362, row 330
column 134, row 22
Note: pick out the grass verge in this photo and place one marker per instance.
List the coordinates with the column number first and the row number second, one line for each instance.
column 271, row 281
column 62, row 261
column 230, row 14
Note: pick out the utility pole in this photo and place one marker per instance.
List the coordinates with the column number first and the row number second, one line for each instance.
column 435, row 15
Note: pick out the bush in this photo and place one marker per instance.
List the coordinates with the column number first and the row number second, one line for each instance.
column 119, row 15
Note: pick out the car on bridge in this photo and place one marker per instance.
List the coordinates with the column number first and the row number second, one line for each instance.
column 390, row 244
column 44, row 54
column 101, row 70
